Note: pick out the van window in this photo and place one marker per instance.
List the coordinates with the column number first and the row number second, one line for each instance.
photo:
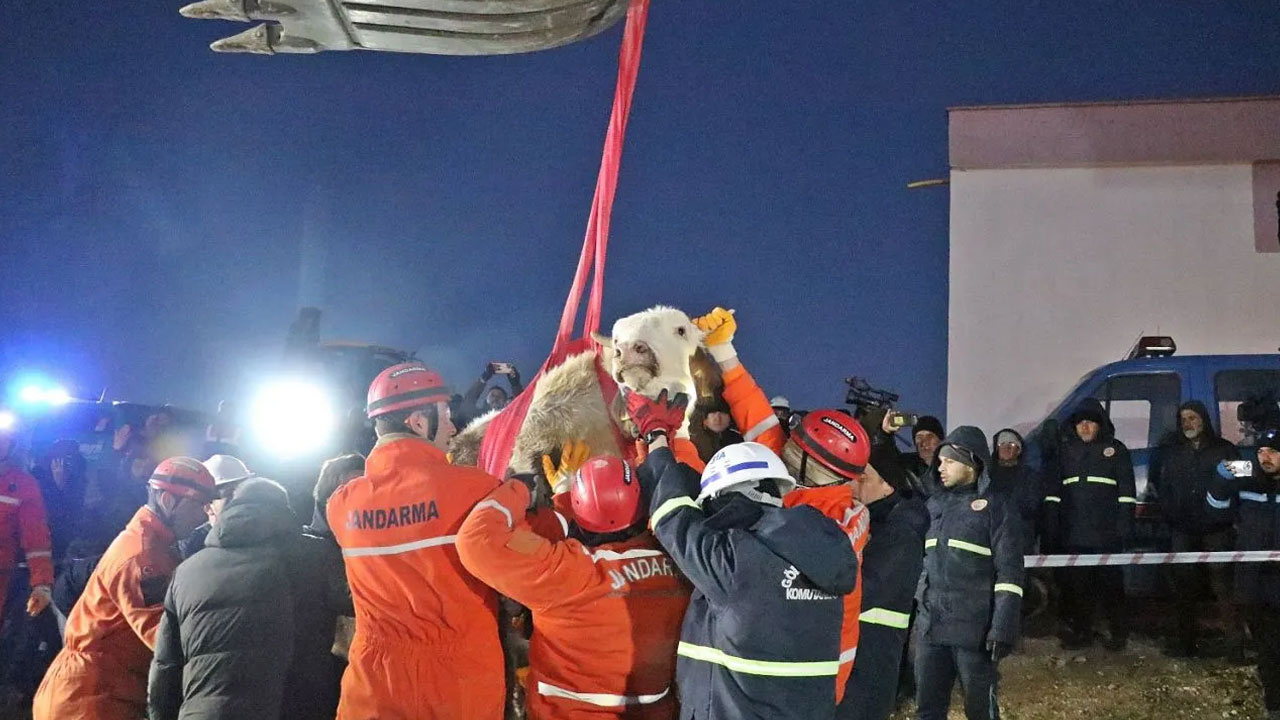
column 1233, row 387
column 1142, row 407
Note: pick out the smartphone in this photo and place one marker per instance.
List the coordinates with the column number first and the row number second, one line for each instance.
column 501, row 368
column 1240, row 468
column 901, row 420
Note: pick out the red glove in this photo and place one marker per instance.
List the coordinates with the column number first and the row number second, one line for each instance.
column 656, row 415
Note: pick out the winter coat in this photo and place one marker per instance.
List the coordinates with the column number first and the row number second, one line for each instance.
column 1090, row 497
column 891, row 565
column 1183, row 472
column 1023, row 487
column 248, row 624
column 970, row 592
column 1253, row 504
column 761, row 638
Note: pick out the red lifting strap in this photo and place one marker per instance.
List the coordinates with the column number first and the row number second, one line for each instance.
column 500, row 438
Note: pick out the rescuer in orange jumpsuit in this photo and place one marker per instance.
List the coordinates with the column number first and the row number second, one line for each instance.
column 23, row 527
column 101, row 672
column 826, row 454
column 607, row 602
column 426, row 643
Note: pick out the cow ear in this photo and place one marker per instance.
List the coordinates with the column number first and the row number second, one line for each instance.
column 604, row 340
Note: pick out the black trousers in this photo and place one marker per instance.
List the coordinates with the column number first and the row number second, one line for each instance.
column 1189, row 581
column 937, row 667
column 1085, row 590
column 1264, row 625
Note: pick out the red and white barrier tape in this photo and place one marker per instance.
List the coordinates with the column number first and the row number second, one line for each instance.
column 1151, row 558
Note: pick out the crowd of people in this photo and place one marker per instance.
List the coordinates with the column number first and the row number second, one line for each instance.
column 776, row 570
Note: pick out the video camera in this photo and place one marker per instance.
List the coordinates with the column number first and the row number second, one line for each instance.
column 866, row 398
column 1259, row 412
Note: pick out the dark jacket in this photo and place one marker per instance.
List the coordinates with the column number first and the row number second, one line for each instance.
column 1090, row 497
column 1023, row 487
column 761, row 638
column 1183, row 472
column 248, row 624
column 1253, row 504
column 891, row 564
column 970, row 592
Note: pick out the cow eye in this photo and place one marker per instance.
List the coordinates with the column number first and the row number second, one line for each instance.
column 680, row 330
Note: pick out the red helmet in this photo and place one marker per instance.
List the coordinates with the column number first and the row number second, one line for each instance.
column 835, row 440
column 404, row 386
column 184, row 476
column 605, row 495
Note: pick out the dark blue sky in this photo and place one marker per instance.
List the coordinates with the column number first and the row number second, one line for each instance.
column 165, row 210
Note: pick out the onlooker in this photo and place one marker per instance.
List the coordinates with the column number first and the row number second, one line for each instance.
column 1183, row 468
column 238, row 636
column 1018, row 482
column 61, row 474
column 1253, row 502
column 335, row 473
column 1089, row 509
column 101, row 673
column 782, row 410
column 926, row 434
column 495, row 398
column 970, row 594
column 718, row 430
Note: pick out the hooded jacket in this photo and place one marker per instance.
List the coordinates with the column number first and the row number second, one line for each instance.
column 1023, row 487
column 970, row 592
column 1090, row 495
column 248, row 623
column 1182, row 474
column 761, row 638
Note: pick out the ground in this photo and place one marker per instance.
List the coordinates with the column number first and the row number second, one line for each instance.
column 1045, row 683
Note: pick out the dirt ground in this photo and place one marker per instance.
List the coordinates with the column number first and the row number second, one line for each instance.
column 1045, row 683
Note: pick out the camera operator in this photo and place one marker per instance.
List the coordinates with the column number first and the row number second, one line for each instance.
column 495, row 398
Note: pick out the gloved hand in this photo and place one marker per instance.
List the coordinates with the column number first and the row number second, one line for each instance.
column 41, row 598
column 658, row 414
column 720, row 327
column 999, row 650
column 572, row 456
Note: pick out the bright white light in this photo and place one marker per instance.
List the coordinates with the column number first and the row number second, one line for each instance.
column 57, row 396
column 31, row 394
column 292, row 417
column 7, row 420
column 40, row 395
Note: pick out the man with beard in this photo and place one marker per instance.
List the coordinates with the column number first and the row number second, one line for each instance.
column 1184, row 466
column 1253, row 502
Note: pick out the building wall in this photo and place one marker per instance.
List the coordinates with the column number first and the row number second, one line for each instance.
column 1055, row 271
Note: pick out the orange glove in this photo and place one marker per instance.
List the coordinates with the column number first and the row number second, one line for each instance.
column 41, row 598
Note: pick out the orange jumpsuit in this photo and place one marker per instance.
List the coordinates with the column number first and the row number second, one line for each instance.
column 426, row 644
column 23, row 528
column 101, row 673
column 751, row 411
column 606, row 619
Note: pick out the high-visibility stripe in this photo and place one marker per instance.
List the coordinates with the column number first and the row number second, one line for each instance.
column 771, row 668
column 1254, row 496
column 669, row 506
column 1217, row 504
column 7, row 500
column 600, row 699
column 496, row 506
column 1100, row 480
column 849, row 655
column 1009, row 588
column 886, row 617
column 962, row 545
column 401, row 548
column 761, row 428
column 564, row 524
column 1127, row 499
column 1052, row 498
column 931, row 542
column 599, row 555
column 1070, row 480
column 40, row 554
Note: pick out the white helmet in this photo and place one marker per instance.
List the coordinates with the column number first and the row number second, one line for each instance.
column 227, row 469
column 780, row 401
column 740, row 467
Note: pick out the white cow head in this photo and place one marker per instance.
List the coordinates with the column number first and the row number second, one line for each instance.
column 650, row 351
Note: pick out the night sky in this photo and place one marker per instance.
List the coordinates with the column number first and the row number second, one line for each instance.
column 165, row 210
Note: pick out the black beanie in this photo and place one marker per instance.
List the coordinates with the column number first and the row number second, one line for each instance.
column 931, row 424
